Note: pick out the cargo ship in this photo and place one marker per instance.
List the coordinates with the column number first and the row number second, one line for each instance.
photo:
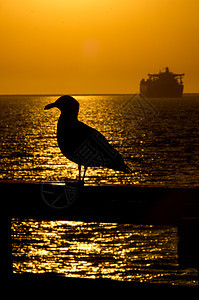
column 164, row 84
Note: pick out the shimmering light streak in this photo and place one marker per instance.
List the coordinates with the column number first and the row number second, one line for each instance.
column 97, row 250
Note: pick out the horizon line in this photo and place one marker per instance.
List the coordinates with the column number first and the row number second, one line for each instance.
column 77, row 94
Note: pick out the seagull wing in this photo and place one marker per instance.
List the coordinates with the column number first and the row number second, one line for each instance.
column 86, row 146
column 94, row 150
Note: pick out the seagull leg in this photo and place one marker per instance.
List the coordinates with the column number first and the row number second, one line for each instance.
column 79, row 167
column 85, row 168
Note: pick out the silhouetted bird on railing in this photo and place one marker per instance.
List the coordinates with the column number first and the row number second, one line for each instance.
column 81, row 143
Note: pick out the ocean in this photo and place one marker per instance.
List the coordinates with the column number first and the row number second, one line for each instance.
column 159, row 141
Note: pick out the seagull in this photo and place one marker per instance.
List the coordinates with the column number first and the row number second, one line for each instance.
column 81, row 143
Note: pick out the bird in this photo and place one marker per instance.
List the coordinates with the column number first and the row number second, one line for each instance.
column 81, row 143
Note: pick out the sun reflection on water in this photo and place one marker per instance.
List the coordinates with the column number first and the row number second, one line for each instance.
column 30, row 150
column 99, row 250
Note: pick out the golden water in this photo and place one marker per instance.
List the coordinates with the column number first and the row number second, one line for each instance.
column 159, row 142
column 99, row 250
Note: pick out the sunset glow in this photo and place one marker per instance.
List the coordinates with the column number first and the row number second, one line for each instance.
column 95, row 46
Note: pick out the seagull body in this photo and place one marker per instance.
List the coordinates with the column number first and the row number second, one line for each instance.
column 81, row 143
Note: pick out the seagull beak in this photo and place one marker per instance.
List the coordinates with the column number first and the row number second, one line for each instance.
column 48, row 106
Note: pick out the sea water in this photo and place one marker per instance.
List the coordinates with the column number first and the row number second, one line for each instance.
column 159, row 141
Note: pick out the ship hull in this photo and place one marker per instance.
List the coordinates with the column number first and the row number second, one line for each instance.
column 161, row 91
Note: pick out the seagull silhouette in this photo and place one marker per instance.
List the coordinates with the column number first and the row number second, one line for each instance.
column 81, row 143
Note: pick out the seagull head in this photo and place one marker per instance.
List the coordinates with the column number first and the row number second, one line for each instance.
column 67, row 104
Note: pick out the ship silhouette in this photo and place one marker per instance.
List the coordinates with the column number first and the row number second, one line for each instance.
column 164, row 84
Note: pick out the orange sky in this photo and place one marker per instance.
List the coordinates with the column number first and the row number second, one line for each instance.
column 92, row 46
